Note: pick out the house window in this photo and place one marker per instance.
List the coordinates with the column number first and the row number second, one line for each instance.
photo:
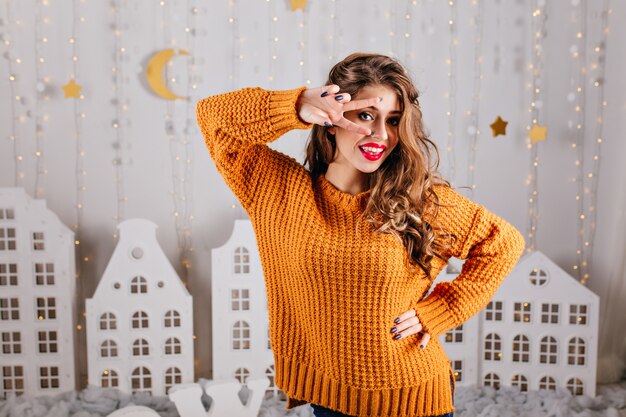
column 575, row 386
column 108, row 321
column 12, row 380
column 455, row 335
column 270, row 373
column 141, row 380
column 38, row 242
column 578, row 314
column 548, row 350
column 109, row 379
column 7, row 214
column 492, row 380
column 550, row 313
column 493, row 312
column 173, row 376
column 138, row 285
column 8, row 275
column 172, row 346
column 538, row 277
column 457, row 368
column 47, row 341
column 108, row 349
column 48, row 377
column 141, row 347
column 241, row 335
column 240, row 299
column 242, row 375
column 9, row 309
column 521, row 349
column 172, row 319
column 7, row 238
column 576, row 351
column 493, row 347
column 44, row 274
column 11, row 343
column 46, row 308
column 140, row 320
column 547, row 382
column 521, row 312
column 520, row 381
column 242, row 261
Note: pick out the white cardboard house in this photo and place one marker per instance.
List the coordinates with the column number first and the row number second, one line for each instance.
column 241, row 343
column 140, row 319
column 539, row 331
column 37, row 298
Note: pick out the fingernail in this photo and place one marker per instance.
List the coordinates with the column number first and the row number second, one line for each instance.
column 325, row 93
column 328, row 124
column 422, row 346
column 393, row 330
column 380, row 99
column 398, row 336
column 339, row 97
column 397, row 320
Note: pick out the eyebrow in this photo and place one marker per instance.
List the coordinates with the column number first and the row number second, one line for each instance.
column 392, row 112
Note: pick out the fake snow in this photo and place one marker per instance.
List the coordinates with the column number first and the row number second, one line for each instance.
column 469, row 402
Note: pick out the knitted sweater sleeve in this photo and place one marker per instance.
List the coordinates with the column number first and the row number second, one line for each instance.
column 490, row 246
column 237, row 127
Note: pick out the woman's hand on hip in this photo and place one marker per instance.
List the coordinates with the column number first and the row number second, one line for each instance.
column 325, row 106
column 407, row 324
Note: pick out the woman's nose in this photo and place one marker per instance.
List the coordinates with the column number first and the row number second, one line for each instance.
column 381, row 129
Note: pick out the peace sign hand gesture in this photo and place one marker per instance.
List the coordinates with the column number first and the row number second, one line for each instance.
column 323, row 106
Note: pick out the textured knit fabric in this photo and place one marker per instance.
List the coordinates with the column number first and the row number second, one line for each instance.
column 334, row 285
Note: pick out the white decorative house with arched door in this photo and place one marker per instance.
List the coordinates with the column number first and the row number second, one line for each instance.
column 140, row 319
column 539, row 331
column 240, row 325
column 37, row 304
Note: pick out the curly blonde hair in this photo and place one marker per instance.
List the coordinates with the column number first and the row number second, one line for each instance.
column 402, row 200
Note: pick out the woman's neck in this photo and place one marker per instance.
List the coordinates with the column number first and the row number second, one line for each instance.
column 349, row 181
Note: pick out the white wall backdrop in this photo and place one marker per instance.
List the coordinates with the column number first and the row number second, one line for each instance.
column 120, row 151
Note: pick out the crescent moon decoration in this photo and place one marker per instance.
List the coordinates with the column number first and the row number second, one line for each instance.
column 155, row 73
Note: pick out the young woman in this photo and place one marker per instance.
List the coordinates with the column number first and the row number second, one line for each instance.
column 351, row 244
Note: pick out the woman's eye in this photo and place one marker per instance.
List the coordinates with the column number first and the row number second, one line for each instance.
column 395, row 121
column 361, row 115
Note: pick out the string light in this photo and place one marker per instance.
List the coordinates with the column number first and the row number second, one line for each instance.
column 274, row 41
column 593, row 176
column 451, row 113
column 302, row 45
column 409, row 54
column 40, row 41
column 536, row 66
column 121, row 106
column 474, row 114
column 17, row 101
column 335, row 33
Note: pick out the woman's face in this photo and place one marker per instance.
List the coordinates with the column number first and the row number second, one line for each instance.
column 363, row 153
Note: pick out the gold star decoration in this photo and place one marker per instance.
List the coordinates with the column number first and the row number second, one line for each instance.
column 72, row 90
column 499, row 127
column 297, row 4
column 537, row 133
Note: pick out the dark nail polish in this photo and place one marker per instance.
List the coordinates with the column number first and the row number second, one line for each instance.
column 398, row 336
column 325, row 93
column 422, row 346
column 339, row 97
column 397, row 320
column 393, row 330
column 327, row 124
column 381, row 99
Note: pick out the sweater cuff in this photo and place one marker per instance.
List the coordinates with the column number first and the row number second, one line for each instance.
column 282, row 110
column 434, row 315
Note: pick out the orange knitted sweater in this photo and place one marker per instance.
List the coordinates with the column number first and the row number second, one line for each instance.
column 334, row 285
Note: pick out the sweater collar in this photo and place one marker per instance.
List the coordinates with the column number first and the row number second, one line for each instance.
column 342, row 198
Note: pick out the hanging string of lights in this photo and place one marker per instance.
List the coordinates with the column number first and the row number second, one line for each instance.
column 598, row 82
column 40, row 40
column 121, row 106
column 451, row 113
column 17, row 99
column 536, row 66
column 334, row 45
column 273, row 46
column 409, row 55
column 474, row 114
column 235, row 73
column 302, row 45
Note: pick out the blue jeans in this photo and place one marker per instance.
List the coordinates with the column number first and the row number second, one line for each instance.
column 319, row 411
